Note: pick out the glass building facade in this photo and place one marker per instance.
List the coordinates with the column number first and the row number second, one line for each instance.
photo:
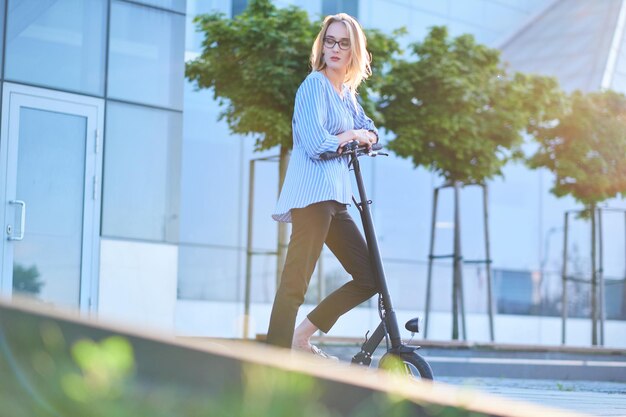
column 117, row 171
column 526, row 221
column 130, row 196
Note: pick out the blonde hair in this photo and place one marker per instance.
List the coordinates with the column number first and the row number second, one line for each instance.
column 359, row 65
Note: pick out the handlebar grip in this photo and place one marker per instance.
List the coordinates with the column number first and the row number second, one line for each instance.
column 328, row 155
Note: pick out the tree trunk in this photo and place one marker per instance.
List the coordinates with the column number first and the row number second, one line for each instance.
column 623, row 309
column 457, row 274
column 623, row 315
column 594, row 279
column 281, row 249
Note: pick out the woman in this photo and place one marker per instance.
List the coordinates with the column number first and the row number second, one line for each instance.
column 316, row 192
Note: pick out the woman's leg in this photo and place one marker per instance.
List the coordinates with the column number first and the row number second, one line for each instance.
column 302, row 335
column 309, row 229
column 346, row 242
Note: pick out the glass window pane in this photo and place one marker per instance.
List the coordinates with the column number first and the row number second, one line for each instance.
column 57, row 43
column 193, row 38
column 2, row 10
column 238, row 6
column 47, row 262
column 141, row 173
column 350, row 7
column 175, row 5
column 146, row 55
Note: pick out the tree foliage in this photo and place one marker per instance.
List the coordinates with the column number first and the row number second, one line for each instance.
column 456, row 111
column 385, row 51
column 255, row 62
column 27, row 280
column 586, row 147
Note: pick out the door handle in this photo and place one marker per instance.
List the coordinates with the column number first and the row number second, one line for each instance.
column 22, row 220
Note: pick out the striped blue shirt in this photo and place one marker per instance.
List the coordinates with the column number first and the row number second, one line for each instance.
column 320, row 114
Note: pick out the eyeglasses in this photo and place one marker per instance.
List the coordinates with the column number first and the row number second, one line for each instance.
column 344, row 44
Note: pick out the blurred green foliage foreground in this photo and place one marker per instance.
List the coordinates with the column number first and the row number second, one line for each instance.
column 55, row 367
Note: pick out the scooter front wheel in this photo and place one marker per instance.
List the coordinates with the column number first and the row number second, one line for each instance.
column 409, row 363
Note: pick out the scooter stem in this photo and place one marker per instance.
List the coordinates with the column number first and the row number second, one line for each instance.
column 375, row 258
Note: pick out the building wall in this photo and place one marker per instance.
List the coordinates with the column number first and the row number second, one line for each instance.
column 202, row 235
column 570, row 40
column 130, row 54
column 175, row 180
column 525, row 220
column 225, row 319
column 138, row 283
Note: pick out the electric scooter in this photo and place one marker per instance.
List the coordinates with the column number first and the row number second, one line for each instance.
column 399, row 356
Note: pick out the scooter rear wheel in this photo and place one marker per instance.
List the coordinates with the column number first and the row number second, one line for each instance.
column 409, row 363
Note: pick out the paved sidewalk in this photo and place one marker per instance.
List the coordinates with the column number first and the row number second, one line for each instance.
column 589, row 397
column 585, row 380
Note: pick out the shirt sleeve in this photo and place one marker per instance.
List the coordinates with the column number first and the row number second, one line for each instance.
column 361, row 121
column 309, row 115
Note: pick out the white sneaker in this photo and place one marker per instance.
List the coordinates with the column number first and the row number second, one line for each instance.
column 319, row 352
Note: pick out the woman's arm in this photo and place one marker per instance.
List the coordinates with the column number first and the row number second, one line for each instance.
column 308, row 120
column 361, row 121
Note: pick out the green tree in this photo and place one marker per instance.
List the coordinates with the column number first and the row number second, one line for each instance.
column 26, row 280
column 455, row 110
column 585, row 148
column 254, row 64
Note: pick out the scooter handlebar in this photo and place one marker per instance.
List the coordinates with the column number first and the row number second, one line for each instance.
column 353, row 148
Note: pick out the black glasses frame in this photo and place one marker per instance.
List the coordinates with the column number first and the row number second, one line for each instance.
column 328, row 41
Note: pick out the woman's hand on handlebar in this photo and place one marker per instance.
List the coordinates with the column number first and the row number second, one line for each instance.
column 362, row 136
column 365, row 137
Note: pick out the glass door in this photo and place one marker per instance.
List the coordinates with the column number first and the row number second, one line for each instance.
column 50, row 169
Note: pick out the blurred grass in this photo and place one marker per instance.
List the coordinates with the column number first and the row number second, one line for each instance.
column 42, row 374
